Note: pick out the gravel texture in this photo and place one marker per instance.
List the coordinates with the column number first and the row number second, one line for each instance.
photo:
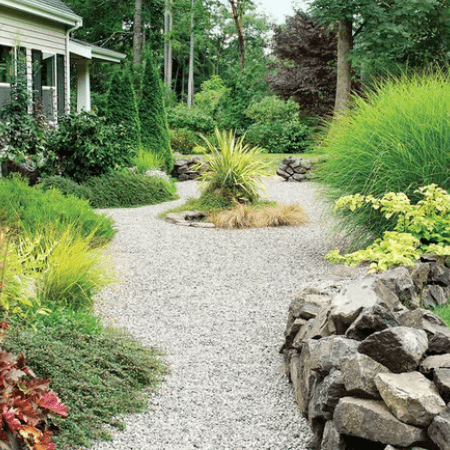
column 215, row 301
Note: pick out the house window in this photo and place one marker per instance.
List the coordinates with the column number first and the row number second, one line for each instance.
column 6, row 64
column 48, row 75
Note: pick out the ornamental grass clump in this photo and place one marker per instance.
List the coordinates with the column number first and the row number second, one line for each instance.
column 395, row 139
column 233, row 170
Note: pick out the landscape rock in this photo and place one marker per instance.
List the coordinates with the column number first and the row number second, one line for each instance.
column 372, row 420
column 360, row 294
column 433, row 295
column 439, row 430
column 294, row 169
column 400, row 349
column 441, row 379
column 358, row 374
column 439, row 274
column 431, row 363
column 399, row 281
column 419, row 274
column 188, row 219
column 438, row 333
column 187, row 169
column 326, row 396
column 332, row 439
column 371, row 320
column 412, row 398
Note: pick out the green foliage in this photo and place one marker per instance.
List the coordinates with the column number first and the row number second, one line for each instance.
column 147, row 161
column 234, row 169
column 211, row 91
column 184, row 141
column 99, row 374
column 122, row 106
column 65, row 185
column 420, row 228
column 125, row 188
column 32, row 210
column 27, row 403
column 272, row 108
column 86, row 145
column 394, row 140
column 152, row 114
column 191, row 119
column 443, row 312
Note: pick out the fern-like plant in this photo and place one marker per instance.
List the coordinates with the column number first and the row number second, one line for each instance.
column 233, row 169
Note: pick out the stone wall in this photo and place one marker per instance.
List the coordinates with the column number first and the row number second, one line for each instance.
column 370, row 367
column 295, row 169
column 186, row 169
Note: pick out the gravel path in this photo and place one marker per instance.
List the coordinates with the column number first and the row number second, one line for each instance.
column 215, row 301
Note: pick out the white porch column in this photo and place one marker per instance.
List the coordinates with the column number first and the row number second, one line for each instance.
column 84, row 86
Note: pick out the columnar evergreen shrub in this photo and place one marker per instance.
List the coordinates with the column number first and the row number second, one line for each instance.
column 122, row 105
column 152, row 114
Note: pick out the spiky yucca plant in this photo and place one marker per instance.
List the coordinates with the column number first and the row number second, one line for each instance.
column 233, row 169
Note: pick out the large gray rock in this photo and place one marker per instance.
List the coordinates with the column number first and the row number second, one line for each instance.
column 326, row 396
column 358, row 374
column 442, row 381
column 399, row 281
column 371, row 320
column 411, row 397
column 357, row 295
column 419, row 274
column 326, row 354
column 332, row 439
column 291, row 331
column 439, row 430
column 400, row 349
column 433, row 295
column 431, row 363
column 321, row 326
column 439, row 274
column 438, row 333
column 372, row 420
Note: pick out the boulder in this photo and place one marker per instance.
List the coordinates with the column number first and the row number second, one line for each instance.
column 372, row 420
column 433, row 295
column 411, row 397
column 321, row 326
column 357, row 295
column 300, row 336
column 438, row 333
column 371, row 320
column 358, row 374
column 442, row 381
column 291, row 331
column 439, row 430
column 332, row 439
column 399, row 281
column 431, row 363
column 439, row 274
column 400, row 349
column 419, row 274
column 326, row 396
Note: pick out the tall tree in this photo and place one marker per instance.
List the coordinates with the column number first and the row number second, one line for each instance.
column 137, row 32
column 237, row 9
column 152, row 114
column 168, row 25
column 191, row 59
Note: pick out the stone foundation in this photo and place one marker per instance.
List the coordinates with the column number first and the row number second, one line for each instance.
column 370, row 365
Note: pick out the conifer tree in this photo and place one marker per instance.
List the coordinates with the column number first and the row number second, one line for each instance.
column 152, row 113
column 122, row 106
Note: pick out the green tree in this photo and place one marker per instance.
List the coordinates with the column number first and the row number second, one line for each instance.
column 376, row 35
column 122, row 105
column 152, row 114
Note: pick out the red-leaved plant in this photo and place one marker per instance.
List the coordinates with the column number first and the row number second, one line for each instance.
column 26, row 402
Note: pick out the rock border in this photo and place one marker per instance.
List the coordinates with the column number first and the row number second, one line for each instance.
column 189, row 219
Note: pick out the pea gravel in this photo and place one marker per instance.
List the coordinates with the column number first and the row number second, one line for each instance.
column 215, row 301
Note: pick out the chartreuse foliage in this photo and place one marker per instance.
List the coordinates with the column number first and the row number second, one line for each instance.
column 395, row 139
column 420, row 228
column 27, row 403
column 234, row 169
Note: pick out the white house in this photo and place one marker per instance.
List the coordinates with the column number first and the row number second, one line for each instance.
column 40, row 31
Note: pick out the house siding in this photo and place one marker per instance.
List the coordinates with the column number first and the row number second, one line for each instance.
column 34, row 33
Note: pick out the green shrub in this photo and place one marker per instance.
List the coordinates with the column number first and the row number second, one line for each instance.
column 184, row 141
column 211, row 91
column 32, row 210
column 190, row 119
column 123, row 189
column 122, row 106
column 272, row 108
column 419, row 229
column 86, row 145
column 279, row 136
column 145, row 160
column 152, row 114
column 395, row 139
column 65, row 185
column 234, row 169
column 99, row 374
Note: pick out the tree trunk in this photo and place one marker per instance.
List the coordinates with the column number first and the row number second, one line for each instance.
column 137, row 32
column 191, row 62
column 168, row 44
column 344, row 67
column 236, row 9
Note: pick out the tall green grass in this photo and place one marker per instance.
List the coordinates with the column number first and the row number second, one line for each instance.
column 395, row 139
column 147, row 160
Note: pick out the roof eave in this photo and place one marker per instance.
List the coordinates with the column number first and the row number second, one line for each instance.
column 46, row 12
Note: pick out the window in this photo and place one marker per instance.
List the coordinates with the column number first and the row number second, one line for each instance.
column 6, row 63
